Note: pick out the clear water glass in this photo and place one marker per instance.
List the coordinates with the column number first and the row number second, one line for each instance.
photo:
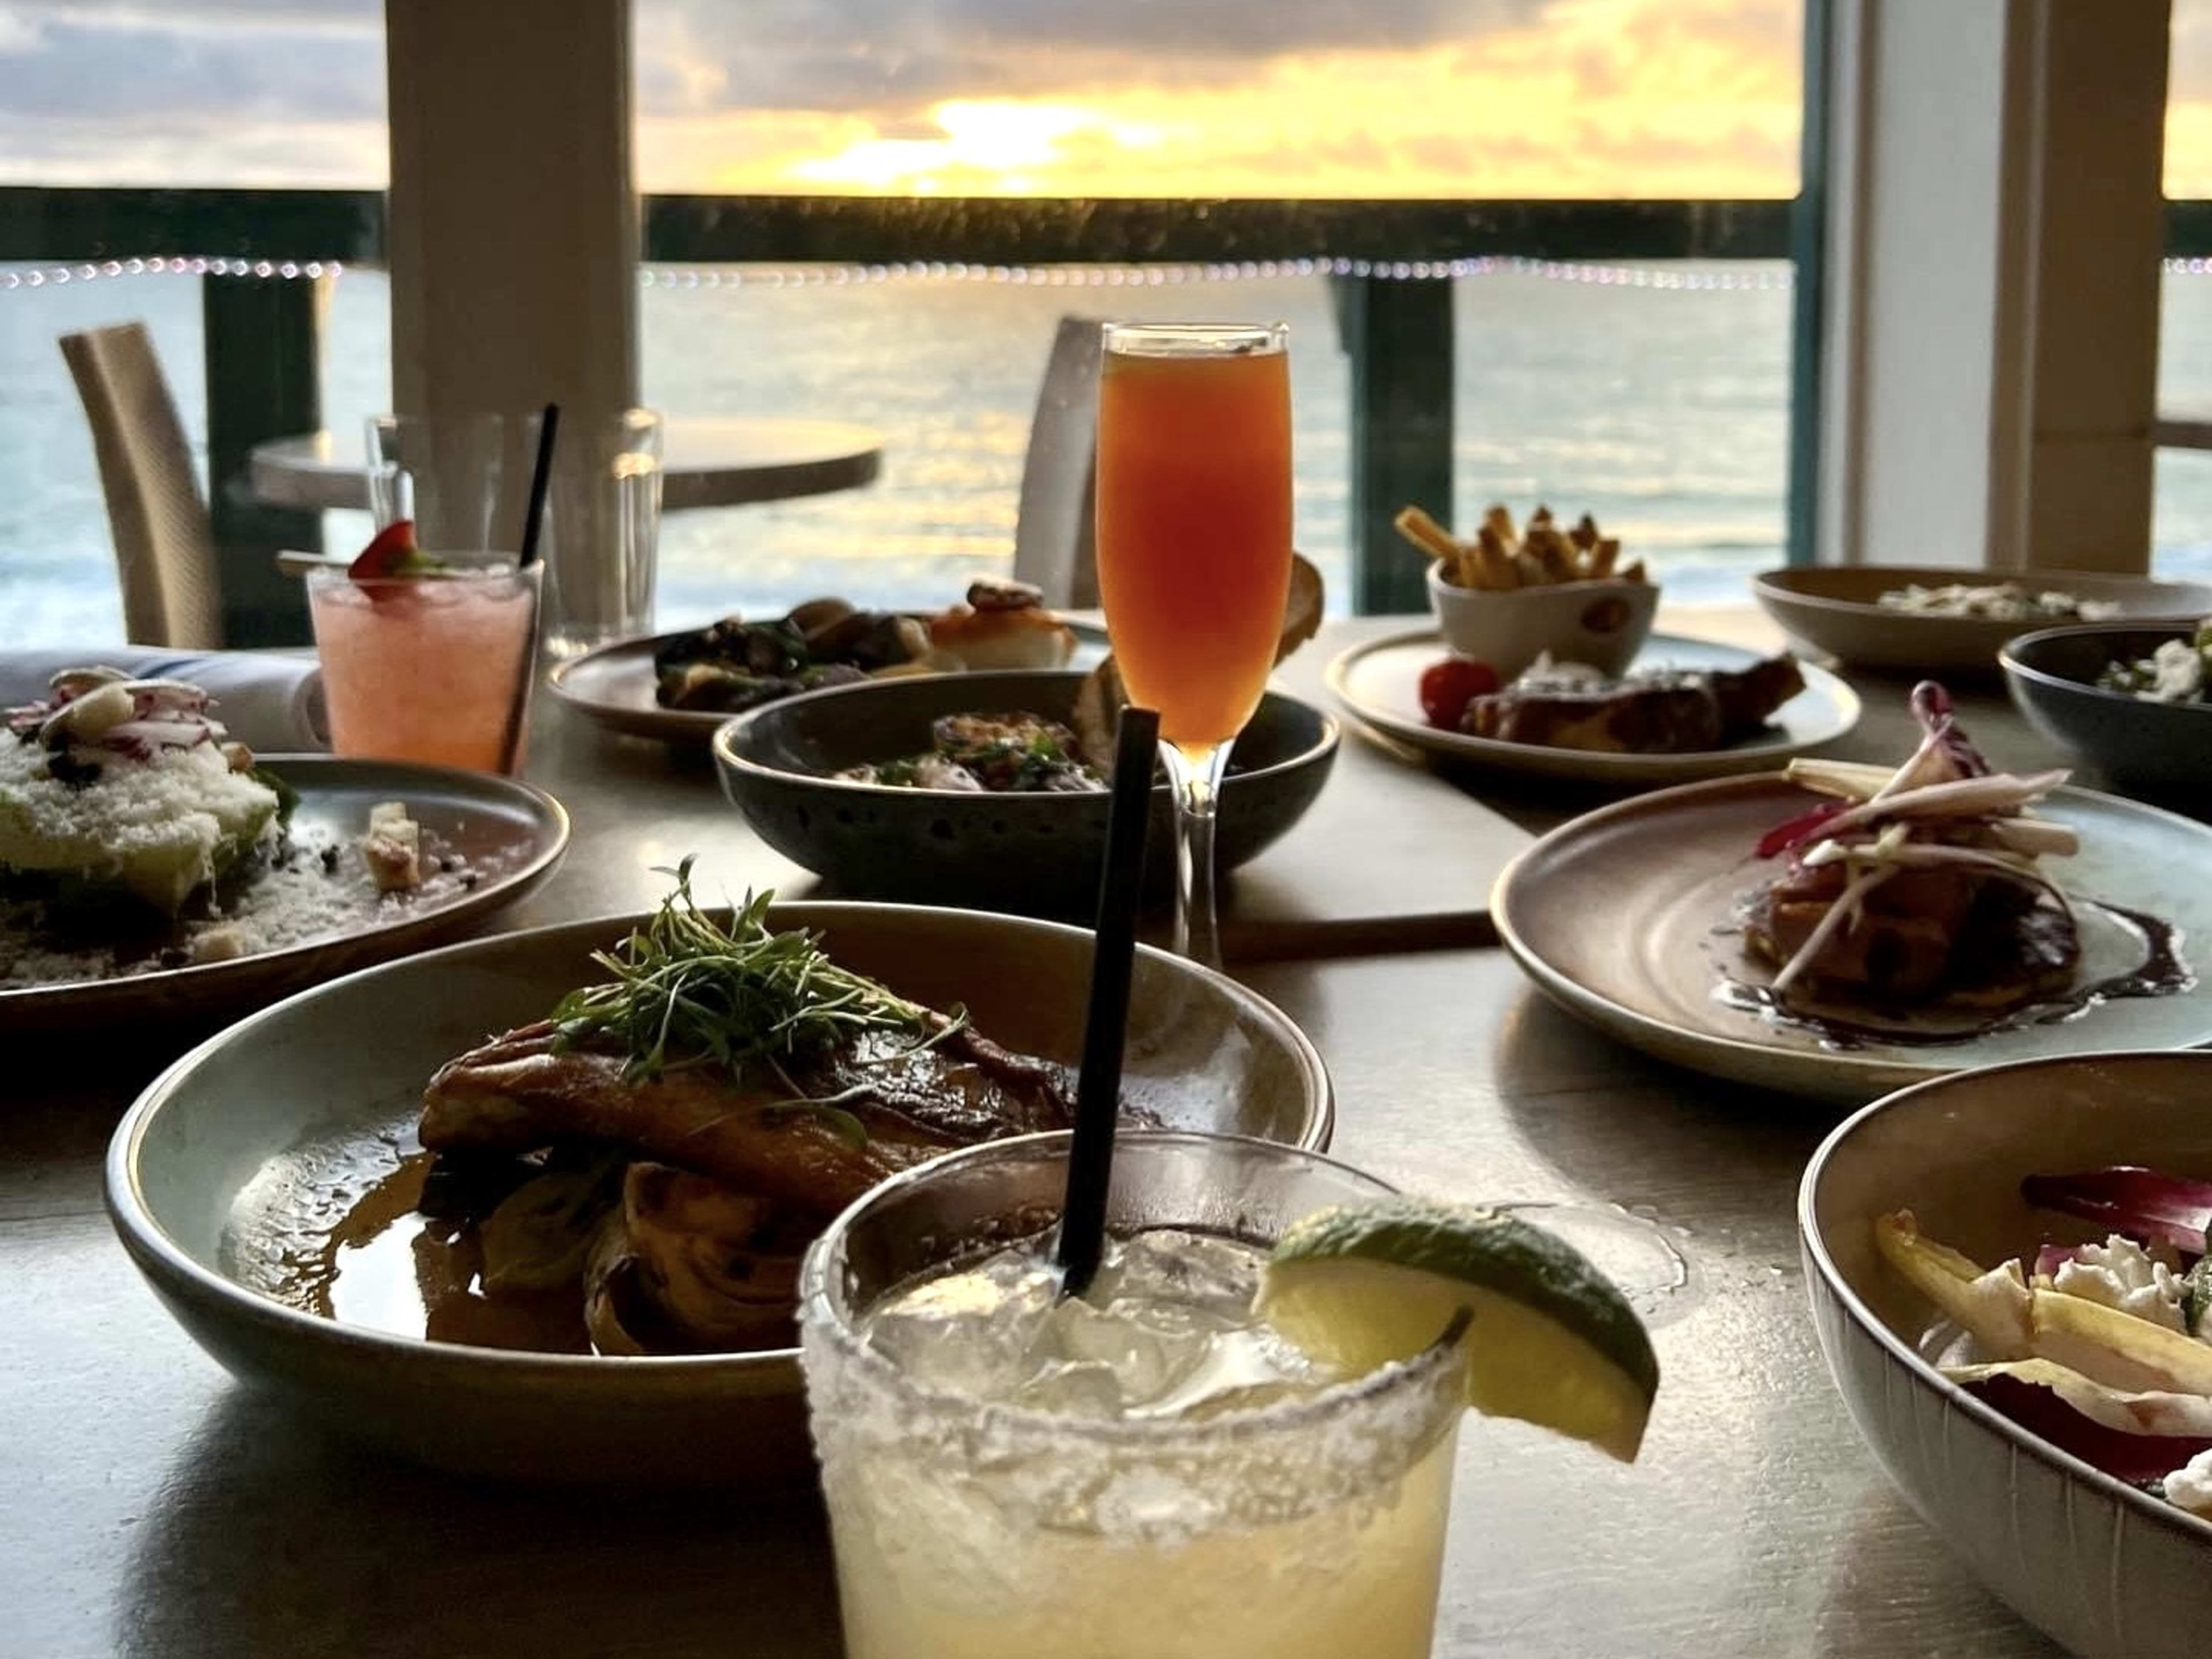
column 465, row 480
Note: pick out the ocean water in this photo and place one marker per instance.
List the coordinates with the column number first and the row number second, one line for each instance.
column 1663, row 412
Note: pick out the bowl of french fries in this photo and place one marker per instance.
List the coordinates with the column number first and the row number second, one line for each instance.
column 1515, row 592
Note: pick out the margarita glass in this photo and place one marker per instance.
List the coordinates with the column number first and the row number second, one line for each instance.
column 1237, row 1500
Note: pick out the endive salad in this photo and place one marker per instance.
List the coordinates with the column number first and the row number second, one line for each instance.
column 2103, row 1349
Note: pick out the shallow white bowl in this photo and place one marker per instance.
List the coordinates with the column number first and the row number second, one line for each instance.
column 209, row 1172
column 2100, row 1566
column 1602, row 623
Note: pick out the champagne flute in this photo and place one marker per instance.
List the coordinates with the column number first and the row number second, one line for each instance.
column 1194, row 490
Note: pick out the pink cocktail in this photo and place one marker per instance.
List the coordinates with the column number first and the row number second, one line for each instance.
column 431, row 668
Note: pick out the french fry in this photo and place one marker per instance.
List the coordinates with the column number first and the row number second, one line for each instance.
column 1494, row 559
column 1501, row 558
column 1426, row 534
column 1553, row 553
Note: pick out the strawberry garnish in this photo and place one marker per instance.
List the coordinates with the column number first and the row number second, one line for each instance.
column 393, row 553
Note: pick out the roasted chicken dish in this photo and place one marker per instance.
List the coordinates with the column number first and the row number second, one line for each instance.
column 1918, row 887
column 666, row 1143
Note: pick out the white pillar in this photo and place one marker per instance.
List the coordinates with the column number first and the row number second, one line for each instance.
column 512, row 225
column 1995, row 225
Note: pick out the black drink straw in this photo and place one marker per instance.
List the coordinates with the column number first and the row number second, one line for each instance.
column 549, row 425
column 533, row 518
column 1098, row 1088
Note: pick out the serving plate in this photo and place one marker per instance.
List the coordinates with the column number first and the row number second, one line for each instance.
column 613, row 685
column 1624, row 916
column 2165, row 746
column 1380, row 683
column 507, row 833
column 1038, row 853
column 251, row 1145
column 2097, row 1565
column 1835, row 608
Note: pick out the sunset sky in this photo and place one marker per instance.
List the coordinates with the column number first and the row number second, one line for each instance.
column 1499, row 98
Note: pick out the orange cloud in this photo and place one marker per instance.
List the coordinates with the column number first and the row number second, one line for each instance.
column 1599, row 97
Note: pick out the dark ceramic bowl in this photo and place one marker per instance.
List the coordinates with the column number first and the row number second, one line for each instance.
column 1036, row 854
column 2164, row 746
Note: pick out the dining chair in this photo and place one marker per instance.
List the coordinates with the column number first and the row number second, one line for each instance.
column 164, row 543
column 1054, row 544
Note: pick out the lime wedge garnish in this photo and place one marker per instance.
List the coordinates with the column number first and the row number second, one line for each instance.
column 1552, row 1341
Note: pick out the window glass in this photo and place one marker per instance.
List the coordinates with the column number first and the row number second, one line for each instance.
column 1655, row 395
column 1269, row 98
column 116, row 93
column 2181, row 525
column 193, row 91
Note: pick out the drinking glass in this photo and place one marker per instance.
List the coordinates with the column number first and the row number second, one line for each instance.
column 433, row 669
column 1193, row 490
column 1311, row 1525
column 465, row 480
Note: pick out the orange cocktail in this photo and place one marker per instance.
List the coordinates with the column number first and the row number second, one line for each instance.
column 1195, row 520
column 1194, row 556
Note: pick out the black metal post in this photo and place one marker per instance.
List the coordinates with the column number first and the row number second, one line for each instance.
column 263, row 338
column 1399, row 336
column 1808, row 247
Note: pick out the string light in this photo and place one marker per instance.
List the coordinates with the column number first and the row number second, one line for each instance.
column 179, row 266
column 1659, row 278
column 691, row 278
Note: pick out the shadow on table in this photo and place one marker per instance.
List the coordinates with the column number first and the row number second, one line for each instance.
column 1892, row 1587
column 274, row 1540
column 1615, row 1122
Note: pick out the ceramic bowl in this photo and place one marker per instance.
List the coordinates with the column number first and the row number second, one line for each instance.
column 1603, row 624
column 1033, row 853
column 2103, row 1568
column 223, row 1163
column 2164, row 746
column 1837, row 608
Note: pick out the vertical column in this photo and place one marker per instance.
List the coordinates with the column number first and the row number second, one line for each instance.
column 513, row 216
column 1995, row 225
column 1399, row 336
column 263, row 339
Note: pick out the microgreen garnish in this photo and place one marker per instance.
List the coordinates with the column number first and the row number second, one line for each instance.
column 688, row 992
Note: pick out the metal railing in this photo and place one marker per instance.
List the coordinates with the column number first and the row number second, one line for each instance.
column 260, row 330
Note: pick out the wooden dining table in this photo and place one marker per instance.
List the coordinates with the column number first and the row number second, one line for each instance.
column 150, row 1506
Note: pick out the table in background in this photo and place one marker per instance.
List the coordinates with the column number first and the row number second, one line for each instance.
column 153, row 1508
column 722, row 461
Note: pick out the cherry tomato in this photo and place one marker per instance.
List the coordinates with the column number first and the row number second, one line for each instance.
column 1449, row 686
